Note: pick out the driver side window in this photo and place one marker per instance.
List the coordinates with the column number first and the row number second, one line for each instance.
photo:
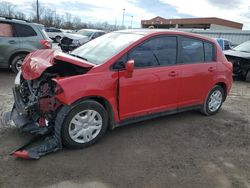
column 143, row 55
column 159, row 51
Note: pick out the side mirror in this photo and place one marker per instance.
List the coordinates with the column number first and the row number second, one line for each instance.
column 129, row 67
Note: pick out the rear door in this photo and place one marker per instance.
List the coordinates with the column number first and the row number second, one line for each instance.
column 8, row 43
column 154, row 84
column 29, row 38
column 198, row 66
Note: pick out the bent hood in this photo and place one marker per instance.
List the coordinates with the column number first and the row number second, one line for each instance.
column 235, row 53
column 75, row 36
column 38, row 61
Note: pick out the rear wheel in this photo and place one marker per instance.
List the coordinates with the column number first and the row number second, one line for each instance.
column 213, row 101
column 85, row 124
column 17, row 62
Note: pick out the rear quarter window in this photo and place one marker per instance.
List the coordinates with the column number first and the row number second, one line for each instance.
column 24, row 30
column 196, row 51
column 191, row 50
column 6, row 30
column 209, row 52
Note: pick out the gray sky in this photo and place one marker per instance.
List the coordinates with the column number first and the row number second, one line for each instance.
column 111, row 10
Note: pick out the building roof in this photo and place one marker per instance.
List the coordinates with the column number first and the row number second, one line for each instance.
column 209, row 20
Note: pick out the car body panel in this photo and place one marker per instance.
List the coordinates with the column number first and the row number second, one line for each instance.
column 70, row 41
column 149, row 90
column 37, row 62
column 196, row 80
column 239, row 54
column 10, row 46
column 82, row 89
column 54, row 32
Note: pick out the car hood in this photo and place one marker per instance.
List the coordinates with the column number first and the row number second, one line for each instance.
column 38, row 61
column 235, row 53
column 75, row 36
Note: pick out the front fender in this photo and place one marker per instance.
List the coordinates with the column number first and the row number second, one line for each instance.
column 89, row 85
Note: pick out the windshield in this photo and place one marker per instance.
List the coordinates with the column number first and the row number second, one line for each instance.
column 105, row 47
column 244, row 47
column 85, row 33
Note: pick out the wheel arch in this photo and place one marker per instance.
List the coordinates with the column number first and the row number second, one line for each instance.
column 106, row 104
column 15, row 54
column 223, row 85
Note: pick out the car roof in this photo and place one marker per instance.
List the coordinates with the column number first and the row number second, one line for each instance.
column 20, row 21
column 146, row 32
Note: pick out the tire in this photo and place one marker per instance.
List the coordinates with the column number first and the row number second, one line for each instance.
column 57, row 39
column 17, row 61
column 82, row 126
column 247, row 78
column 217, row 94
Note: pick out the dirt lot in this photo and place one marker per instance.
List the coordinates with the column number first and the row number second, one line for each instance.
column 183, row 150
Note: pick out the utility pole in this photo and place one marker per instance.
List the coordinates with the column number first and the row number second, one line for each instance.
column 123, row 14
column 115, row 24
column 37, row 11
column 131, row 22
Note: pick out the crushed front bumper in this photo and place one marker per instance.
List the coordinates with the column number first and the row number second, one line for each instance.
column 49, row 135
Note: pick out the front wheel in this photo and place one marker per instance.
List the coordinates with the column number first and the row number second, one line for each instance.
column 213, row 101
column 85, row 124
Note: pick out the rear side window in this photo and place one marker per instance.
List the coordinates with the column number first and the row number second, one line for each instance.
column 155, row 52
column 24, row 30
column 6, row 30
column 209, row 52
column 191, row 51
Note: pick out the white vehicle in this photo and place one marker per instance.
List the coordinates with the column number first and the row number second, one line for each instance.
column 55, row 34
column 70, row 41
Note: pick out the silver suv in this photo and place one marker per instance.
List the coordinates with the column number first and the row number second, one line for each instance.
column 17, row 39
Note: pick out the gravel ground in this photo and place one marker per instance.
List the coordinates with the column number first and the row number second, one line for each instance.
column 183, row 150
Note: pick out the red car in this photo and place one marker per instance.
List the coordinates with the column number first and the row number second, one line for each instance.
column 119, row 78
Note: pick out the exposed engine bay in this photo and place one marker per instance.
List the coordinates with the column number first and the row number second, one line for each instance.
column 37, row 110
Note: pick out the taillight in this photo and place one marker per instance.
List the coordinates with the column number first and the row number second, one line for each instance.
column 46, row 44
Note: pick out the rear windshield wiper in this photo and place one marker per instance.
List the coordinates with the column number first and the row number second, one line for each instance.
column 80, row 57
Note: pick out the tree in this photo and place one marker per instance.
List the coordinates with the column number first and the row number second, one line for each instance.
column 7, row 9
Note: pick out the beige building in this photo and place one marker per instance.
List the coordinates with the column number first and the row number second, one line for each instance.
column 192, row 23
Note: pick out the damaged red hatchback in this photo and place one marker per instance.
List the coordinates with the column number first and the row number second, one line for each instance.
column 119, row 78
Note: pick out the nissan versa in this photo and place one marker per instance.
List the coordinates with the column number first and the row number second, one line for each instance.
column 116, row 79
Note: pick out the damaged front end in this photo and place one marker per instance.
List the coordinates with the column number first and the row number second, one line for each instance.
column 36, row 108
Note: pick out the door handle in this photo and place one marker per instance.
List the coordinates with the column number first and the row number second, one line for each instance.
column 12, row 42
column 173, row 74
column 211, row 69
